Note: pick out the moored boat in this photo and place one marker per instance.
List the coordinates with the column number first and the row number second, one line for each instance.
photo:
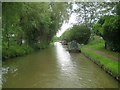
column 73, row 47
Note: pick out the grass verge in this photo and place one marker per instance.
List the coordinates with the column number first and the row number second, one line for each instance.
column 105, row 62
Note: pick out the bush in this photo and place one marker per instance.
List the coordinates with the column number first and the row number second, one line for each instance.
column 15, row 50
column 80, row 33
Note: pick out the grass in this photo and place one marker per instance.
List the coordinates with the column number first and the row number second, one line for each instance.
column 108, row 63
column 98, row 44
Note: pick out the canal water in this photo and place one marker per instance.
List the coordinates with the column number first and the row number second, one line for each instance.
column 55, row 67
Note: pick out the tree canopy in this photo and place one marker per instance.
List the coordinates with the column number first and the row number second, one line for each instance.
column 108, row 27
column 80, row 33
column 31, row 24
column 90, row 12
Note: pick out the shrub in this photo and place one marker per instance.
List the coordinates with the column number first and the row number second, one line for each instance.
column 15, row 50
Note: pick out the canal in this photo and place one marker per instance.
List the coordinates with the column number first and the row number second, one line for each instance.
column 55, row 67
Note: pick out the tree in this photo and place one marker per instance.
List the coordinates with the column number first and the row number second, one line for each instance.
column 118, row 9
column 80, row 33
column 30, row 25
column 90, row 12
column 108, row 27
column 10, row 23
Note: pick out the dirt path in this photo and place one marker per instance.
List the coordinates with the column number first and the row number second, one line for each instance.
column 104, row 54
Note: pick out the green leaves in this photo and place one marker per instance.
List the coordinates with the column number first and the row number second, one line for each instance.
column 34, row 23
column 90, row 12
column 108, row 27
column 80, row 33
column 118, row 9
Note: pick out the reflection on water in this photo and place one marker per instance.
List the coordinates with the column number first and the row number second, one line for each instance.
column 66, row 65
column 77, row 71
column 0, row 78
column 55, row 68
column 63, row 58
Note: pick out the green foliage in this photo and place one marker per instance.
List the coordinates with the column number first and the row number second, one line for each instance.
column 97, row 29
column 90, row 12
column 30, row 25
column 118, row 8
column 108, row 27
column 80, row 33
column 55, row 39
column 42, row 21
column 98, row 44
column 14, row 51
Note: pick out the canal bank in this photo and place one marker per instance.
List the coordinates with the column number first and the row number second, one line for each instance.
column 103, row 66
column 105, row 59
column 55, row 67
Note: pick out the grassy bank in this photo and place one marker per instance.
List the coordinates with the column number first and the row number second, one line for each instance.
column 96, row 52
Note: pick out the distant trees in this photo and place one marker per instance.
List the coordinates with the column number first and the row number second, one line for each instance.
column 30, row 25
column 102, row 18
column 80, row 33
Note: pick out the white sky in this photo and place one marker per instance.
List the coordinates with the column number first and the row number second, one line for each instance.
column 65, row 26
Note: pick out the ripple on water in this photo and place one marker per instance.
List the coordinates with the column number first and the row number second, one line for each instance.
column 56, row 68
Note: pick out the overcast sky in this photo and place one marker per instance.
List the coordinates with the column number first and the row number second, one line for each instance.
column 65, row 26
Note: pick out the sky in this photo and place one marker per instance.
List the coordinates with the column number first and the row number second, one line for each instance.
column 71, row 22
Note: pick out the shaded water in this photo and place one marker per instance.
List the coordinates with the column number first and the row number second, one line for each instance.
column 55, row 68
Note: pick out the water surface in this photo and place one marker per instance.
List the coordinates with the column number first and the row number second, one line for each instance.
column 55, row 68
